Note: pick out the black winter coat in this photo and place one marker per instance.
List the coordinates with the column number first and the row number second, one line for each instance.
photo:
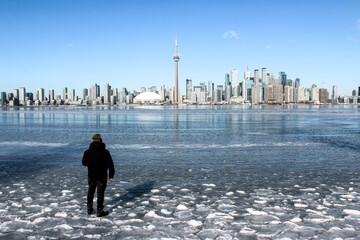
column 98, row 160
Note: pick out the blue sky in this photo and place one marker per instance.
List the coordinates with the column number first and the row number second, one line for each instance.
column 74, row 44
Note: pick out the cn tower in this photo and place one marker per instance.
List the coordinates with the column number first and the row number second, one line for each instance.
column 176, row 60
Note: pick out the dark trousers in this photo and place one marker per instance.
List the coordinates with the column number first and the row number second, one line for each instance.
column 101, row 186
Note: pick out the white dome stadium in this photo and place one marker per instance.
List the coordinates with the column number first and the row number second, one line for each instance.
column 147, row 97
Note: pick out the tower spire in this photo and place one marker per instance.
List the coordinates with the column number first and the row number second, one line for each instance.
column 176, row 60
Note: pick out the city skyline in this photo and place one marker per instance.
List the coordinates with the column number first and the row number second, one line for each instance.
column 56, row 44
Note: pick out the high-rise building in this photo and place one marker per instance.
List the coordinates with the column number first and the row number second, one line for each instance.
column 142, row 90
column 299, row 94
column 16, row 93
column 188, row 89
column 359, row 91
column 227, row 79
column 162, row 95
column 41, row 94
column 289, row 94
column 72, row 95
column 176, row 60
column 85, row 94
column 234, row 77
column 65, row 93
column 256, row 77
column 273, row 94
column 247, row 75
column 219, row 92
column 52, row 95
column 22, row 95
column 264, row 76
column 335, row 93
column 314, row 97
column 107, row 93
column 256, row 94
column 297, row 82
column 3, row 98
column 323, row 95
column 228, row 92
column 211, row 91
column 282, row 79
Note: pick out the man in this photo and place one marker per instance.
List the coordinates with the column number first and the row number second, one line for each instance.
column 98, row 160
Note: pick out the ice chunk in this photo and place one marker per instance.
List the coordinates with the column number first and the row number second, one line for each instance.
column 27, row 199
column 247, row 231
column 352, row 212
column 229, row 193
column 181, row 207
column 300, row 205
column 195, row 223
column 240, row 192
column 61, row 214
column 219, row 215
column 255, row 212
column 211, row 185
column 64, row 226
column 165, row 212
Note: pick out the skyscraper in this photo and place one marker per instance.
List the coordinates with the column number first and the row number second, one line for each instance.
column 335, row 92
column 176, row 60
column 22, row 95
column 65, row 93
column 234, row 77
column 188, row 89
column 227, row 79
column 106, row 93
column 264, row 77
column 41, row 94
column 52, row 95
column 256, row 77
column 282, row 79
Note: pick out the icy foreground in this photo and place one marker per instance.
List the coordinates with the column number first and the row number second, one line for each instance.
column 210, row 173
column 53, row 206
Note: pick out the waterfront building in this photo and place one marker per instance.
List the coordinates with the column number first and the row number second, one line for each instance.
column 188, row 89
column 3, row 98
column 314, row 97
column 107, row 89
column 335, row 95
column 65, row 93
column 256, row 77
column 72, row 96
column 256, row 94
column 176, row 60
column 299, row 94
column 10, row 96
column 162, row 95
column 323, row 95
column 297, row 82
column 147, row 98
column 219, row 92
column 85, row 94
column 228, row 92
column 22, row 96
column 41, row 94
column 16, row 93
column 264, row 76
column 211, row 91
column 282, row 79
column 359, row 91
column 289, row 94
column 273, row 94
column 52, row 95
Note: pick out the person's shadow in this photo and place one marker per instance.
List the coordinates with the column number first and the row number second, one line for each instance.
column 132, row 193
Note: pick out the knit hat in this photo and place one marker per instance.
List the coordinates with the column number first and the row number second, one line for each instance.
column 97, row 138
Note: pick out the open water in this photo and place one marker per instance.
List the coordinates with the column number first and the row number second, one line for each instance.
column 195, row 172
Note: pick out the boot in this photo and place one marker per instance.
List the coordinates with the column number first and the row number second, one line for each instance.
column 90, row 211
column 102, row 213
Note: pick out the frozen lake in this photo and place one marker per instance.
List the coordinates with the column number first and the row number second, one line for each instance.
column 196, row 172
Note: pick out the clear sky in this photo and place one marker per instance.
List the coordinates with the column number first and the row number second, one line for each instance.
column 55, row 44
